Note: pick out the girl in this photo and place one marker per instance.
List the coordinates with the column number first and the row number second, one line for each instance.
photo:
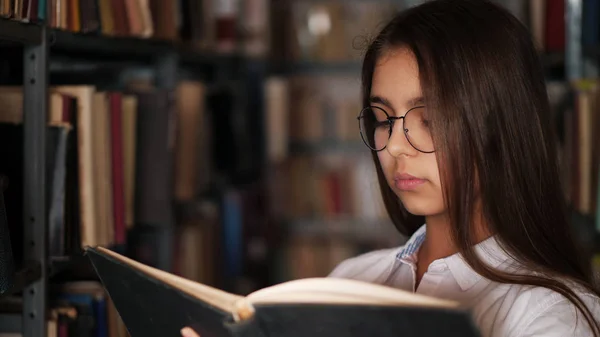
column 457, row 117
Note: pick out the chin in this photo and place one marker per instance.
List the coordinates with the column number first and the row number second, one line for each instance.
column 420, row 207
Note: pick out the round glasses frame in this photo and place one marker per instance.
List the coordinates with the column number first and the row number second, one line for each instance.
column 391, row 120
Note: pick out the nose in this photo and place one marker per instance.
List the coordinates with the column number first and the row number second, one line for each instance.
column 398, row 145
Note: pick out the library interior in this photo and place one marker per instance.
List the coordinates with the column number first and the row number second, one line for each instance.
column 227, row 149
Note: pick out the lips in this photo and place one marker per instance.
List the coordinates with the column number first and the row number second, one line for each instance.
column 407, row 182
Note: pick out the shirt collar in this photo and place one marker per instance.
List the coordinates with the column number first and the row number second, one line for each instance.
column 489, row 251
column 413, row 244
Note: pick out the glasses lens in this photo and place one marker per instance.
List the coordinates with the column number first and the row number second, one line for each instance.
column 374, row 127
column 416, row 127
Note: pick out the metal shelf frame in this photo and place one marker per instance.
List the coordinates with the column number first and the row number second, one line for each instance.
column 35, row 84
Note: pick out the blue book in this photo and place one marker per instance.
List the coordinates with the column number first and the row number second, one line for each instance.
column 92, row 309
column 590, row 23
column 232, row 235
column 41, row 10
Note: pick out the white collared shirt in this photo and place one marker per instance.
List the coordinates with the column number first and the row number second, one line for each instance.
column 506, row 310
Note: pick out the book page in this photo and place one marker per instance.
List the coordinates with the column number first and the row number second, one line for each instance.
column 342, row 291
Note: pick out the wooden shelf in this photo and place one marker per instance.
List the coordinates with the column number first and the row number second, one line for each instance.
column 24, row 277
column 94, row 47
column 353, row 229
column 354, row 67
column 317, row 67
column 59, row 264
column 591, row 51
column 552, row 59
column 329, row 146
column 102, row 46
column 11, row 323
column 20, row 32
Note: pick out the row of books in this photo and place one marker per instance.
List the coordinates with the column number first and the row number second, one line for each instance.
column 241, row 246
column 545, row 19
column 333, row 31
column 322, row 109
column 83, row 308
column 308, row 111
column 327, row 31
column 290, row 30
column 324, row 194
column 327, row 187
column 307, row 255
column 114, row 159
column 204, row 23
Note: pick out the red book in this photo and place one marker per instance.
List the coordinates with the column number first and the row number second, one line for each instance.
column 117, row 167
column 555, row 25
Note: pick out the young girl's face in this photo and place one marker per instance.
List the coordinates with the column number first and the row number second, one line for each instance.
column 412, row 175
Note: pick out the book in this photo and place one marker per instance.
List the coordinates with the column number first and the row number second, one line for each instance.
column 153, row 302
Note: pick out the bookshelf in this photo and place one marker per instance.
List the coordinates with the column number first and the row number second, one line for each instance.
column 323, row 211
column 46, row 51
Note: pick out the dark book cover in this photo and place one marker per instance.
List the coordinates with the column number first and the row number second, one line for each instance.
column 57, row 164
column 162, row 308
column 11, row 168
column 154, row 158
column 90, row 16
column 7, row 261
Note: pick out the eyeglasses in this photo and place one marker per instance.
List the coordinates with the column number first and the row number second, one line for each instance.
column 376, row 128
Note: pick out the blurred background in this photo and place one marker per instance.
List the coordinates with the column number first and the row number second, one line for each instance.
column 218, row 140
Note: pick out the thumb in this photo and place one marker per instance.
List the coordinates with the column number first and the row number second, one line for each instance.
column 188, row 332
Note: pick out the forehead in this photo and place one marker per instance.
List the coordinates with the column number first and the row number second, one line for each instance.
column 396, row 78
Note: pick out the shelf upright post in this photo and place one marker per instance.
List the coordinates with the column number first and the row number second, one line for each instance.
column 35, row 84
column 166, row 70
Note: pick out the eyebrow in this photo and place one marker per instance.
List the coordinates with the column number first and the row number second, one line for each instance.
column 384, row 101
column 416, row 101
column 381, row 100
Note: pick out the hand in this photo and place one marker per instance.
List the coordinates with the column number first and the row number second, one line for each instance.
column 188, row 332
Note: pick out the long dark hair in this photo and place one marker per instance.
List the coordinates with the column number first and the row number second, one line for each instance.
column 481, row 78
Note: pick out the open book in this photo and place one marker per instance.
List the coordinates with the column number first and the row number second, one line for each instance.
column 153, row 302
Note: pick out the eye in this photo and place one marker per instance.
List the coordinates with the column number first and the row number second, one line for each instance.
column 379, row 114
column 383, row 124
column 419, row 117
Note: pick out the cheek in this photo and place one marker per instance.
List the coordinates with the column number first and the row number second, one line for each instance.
column 435, row 193
column 387, row 163
column 433, row 172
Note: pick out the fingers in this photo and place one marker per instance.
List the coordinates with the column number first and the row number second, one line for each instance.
column 188, row 332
